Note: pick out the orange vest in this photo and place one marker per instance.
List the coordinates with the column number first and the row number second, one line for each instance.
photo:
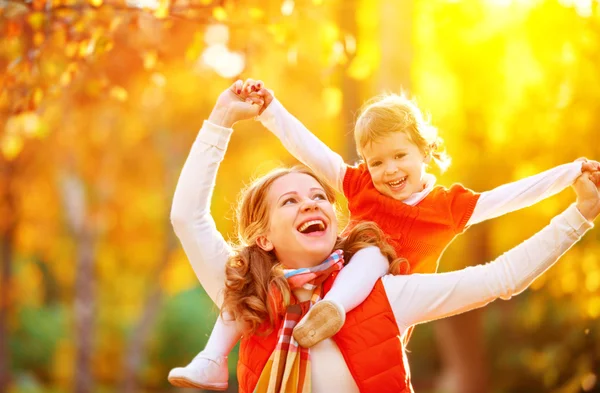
column 376, row 361
column 419, row 233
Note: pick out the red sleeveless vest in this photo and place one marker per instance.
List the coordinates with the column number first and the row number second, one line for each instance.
column 369, row 342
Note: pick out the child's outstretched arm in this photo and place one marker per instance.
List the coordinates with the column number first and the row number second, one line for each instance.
column 527, row 192
column 303, row 144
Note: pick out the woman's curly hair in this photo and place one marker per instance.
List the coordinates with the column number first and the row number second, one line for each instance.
column 256, row 292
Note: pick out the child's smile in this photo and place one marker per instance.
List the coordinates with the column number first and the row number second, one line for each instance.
column 396, row 165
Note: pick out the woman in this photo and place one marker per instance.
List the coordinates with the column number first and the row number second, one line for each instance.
column 366, row 355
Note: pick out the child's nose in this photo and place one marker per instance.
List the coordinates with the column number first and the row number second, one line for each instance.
column 391, row 169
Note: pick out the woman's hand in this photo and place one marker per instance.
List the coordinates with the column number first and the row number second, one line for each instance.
column 235, row 104
column 256, row 89
column 587, row 188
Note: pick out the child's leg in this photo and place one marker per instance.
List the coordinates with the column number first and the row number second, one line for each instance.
column 208, row 369
column 352, row 286
column 223, row 338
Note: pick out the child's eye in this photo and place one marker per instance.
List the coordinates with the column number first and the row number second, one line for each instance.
column 376, row 163
column 399, row 156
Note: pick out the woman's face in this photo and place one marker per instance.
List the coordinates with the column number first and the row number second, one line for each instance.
column 302, row 222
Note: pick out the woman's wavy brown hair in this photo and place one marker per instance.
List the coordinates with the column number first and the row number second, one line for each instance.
column 256, row 293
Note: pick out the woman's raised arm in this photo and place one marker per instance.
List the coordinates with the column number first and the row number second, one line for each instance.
column 204, row 245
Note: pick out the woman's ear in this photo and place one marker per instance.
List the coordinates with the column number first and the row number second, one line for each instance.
column 264, row 243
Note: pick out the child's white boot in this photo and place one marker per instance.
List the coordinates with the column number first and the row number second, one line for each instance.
column 204, row 372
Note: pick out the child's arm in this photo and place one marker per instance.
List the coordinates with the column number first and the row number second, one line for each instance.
column 525, row 192
column 419, row 298
column 303, row 145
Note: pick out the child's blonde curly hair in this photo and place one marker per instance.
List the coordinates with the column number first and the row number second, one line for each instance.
column 388, row 113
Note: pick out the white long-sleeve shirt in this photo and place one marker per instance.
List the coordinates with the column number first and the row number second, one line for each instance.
column 414, row 298
column 330, row 166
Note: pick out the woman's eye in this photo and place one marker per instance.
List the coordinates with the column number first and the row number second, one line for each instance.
column 321, row 197
column 288, row 201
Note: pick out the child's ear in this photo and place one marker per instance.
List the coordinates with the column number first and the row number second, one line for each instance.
column 264, row 243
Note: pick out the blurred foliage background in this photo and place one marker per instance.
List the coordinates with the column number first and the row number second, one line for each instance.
column 100, row 102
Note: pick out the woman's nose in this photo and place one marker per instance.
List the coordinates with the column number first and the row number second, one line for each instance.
column 309, row 204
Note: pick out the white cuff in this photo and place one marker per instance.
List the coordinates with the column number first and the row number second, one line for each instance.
column 576, row 220
column 214, row 135
column 269, row 113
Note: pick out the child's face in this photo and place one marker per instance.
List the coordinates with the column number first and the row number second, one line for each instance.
column 396, row 165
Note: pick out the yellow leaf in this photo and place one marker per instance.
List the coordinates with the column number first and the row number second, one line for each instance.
column 330, row 33
column 287, row 7
column 30, row 123
column 220, row 14
column 592, row 281
column 71, row 49
column 350, row 42
column 86, row 48
column 11, row 146
column 177, row 277
column 163, row 9
column 36, row 20
column 64, row 358
column 256, row 13
column 118, row 93
column 150, row 60
column 360, row 68
column 65, row 78
column 96, row 3
column 38, row 94
column 593, row 307
column 332, row 100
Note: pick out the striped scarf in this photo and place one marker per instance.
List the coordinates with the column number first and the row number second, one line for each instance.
column 288, row 367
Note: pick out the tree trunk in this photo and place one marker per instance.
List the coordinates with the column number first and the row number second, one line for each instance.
column 84, row 312
column 141, row 332
column 350, row 91
column 395, row 32
column 7, row 232
column 74, row 199
column 461, row 339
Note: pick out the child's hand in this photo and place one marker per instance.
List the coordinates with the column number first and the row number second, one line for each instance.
column 587, row 188
column 588, row 165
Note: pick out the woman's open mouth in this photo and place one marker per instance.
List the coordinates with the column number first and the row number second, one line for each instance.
column 315, row 227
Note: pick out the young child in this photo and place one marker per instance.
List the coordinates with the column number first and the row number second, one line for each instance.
column 391, row 187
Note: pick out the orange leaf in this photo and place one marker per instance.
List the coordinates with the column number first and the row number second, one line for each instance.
column 13, row 29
